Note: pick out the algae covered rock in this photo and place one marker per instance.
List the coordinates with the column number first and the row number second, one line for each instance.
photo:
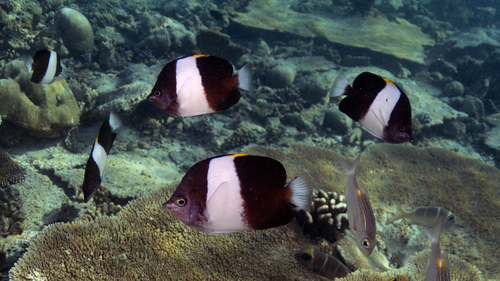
column 43, row 110
column 78, row 35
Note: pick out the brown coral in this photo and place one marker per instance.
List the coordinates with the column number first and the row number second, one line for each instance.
column 144, row 242
column 416, row 177
column 10, row 172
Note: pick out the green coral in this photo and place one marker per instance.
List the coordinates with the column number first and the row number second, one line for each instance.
column 43, row 110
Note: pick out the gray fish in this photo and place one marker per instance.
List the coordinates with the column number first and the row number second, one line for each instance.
column 359, row 210
column 322, row 264
column 426, row 216
column 438, row 267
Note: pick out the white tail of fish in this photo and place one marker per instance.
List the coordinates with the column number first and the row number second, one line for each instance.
column 245, row 78
column 114, row 121
column 351, row 170
column 302, row 192
column 339, row 85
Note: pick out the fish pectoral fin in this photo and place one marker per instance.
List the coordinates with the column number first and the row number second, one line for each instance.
column 185, row 90
column 218, row 201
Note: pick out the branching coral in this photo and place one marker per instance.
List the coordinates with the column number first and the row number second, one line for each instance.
column 328, row 218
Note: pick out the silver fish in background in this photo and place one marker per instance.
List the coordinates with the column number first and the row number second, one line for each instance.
column 322, row 264
column 438, row 267
column 359, row 210
column 96, row 164
column 376, row 103
column 46, row 66
column 238, row 192
column 426, row 216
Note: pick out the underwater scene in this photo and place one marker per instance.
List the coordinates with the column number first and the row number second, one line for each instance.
column 250, row 140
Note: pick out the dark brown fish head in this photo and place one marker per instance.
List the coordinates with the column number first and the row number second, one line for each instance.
column 365, row 243
column 185, row 208
column 305, row 258
column 164, row 100
column 400, row 133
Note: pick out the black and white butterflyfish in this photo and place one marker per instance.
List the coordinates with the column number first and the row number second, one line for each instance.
column 96, row 164
column 237, row 192
column 199, row 84
column 378, row 104
column 46, row 66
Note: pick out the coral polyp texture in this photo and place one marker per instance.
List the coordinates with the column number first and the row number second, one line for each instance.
column 10, row 171
column 414, row 176
column 144, row 242
column 43, row 110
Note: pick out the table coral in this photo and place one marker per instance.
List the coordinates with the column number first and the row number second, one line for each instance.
column 144, row 242
column 43, row 110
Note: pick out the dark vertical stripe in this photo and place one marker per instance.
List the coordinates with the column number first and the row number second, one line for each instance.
column 365, row 89
column 91, row 179
column 40, row 65
column 106, row 137
column 400, row 116
column 221, row 86
column 59, row 68
column 263, row 191
column 194, row 186
column 166, row 85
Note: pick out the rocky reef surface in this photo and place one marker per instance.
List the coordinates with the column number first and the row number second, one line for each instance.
column 444, row 54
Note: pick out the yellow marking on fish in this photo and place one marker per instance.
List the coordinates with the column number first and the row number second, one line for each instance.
column 199, row 56
column 389, row 82
column 359, row 192
column 97, row 137
column 238, row 155
column 440, row 264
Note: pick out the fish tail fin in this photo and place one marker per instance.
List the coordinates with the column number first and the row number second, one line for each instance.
column 114, row 121
column 245, row 78
column 28, row 62
column 301, row 188
column 435, row 233
column 351, row 170
column 400, row 214
column 340, row 85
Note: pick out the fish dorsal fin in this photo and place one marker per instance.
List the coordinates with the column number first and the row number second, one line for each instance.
column 339, row 85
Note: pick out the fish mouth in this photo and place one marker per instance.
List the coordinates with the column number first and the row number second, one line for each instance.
column 166, row 206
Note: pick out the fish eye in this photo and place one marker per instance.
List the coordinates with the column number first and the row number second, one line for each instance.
column 181, row 201
column 306, row 257
column 450, row 218
column 157, row 94
column 402, row 128
column 365, row 243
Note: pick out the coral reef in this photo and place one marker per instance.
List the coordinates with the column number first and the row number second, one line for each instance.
column 328, row 218
column 408, row 40
column 78, row 35
column 144, row 242
column 43, row 110
column 417, row 177
column 12, row 219
column 10, row 171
